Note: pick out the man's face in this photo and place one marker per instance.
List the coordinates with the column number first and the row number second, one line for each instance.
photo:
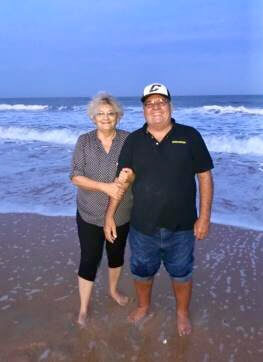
column 157, row 110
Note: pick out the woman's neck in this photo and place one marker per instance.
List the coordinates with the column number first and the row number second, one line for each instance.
column 106, row 135
column 106, row 139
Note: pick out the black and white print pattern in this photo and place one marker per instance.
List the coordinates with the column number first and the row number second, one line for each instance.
column 91, row 160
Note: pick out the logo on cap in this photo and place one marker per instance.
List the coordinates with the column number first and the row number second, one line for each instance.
column 155, row 87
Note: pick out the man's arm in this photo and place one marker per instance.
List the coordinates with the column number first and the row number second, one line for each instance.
column 109, row 222
column 126, row 177
column 201, row 227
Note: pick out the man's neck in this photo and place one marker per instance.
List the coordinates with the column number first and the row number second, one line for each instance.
column 159, row 132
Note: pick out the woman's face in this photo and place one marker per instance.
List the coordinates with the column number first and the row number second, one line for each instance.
column 105, row 118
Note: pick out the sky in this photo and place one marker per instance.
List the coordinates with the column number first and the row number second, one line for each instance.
column 77, row 48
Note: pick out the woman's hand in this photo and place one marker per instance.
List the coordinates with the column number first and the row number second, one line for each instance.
column 114, row 190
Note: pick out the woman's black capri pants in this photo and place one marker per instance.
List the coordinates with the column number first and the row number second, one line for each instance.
column 92, row 239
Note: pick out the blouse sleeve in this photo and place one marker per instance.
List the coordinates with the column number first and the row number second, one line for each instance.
column 78, row 158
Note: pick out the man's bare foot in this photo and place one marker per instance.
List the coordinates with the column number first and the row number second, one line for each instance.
column 82, row 320
column 183, row 325
column 138, row 314
column 120, row 298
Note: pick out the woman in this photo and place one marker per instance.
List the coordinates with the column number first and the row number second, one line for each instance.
column 94, row 166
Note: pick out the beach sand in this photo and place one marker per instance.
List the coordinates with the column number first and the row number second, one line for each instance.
column 39, row 300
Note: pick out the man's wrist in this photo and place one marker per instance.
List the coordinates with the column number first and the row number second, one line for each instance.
column 204, row 218
column 109, row 215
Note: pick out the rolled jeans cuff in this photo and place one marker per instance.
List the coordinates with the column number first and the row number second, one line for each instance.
column 137, row 277
column 184, row 279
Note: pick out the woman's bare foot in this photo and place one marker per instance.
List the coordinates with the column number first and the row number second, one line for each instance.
column 138, row 314
column 183, row 325
column 120, row 298
column 82, row 320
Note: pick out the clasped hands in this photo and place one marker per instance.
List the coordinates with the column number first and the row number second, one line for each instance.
column 117, row 188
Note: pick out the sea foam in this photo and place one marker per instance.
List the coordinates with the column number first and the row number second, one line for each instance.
column 226, row 144
column 22, row 107
column 231, row 109
column 29, row 134
column 230, row 144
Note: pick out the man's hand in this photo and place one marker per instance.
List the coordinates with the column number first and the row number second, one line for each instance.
column 126, row 176
column 201, row 228
column 110, row 229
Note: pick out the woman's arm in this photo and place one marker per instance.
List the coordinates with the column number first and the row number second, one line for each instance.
column 112, row 189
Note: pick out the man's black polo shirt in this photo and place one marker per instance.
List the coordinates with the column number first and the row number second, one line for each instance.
column 164, row 189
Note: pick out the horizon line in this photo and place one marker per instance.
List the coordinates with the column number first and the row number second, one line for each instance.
column 139, row 96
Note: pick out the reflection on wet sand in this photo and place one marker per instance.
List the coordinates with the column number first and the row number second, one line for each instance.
column 39, row 300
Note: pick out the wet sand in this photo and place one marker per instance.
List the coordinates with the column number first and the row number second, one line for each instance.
column 39, row 300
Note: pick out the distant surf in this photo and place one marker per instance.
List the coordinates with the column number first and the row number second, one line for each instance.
column 227, row 144
column 22, row 107
column 65, row 137
column 39, row 107
column 232, row 109
column 216, row 109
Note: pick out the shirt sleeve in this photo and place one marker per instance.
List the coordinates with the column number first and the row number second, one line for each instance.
column 78, row 159
column 202, row 160
column 125, row 158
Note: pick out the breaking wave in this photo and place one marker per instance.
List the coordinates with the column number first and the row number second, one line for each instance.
column 232, row 109
column 64, row 136
column 228, row 144
column 23, row 107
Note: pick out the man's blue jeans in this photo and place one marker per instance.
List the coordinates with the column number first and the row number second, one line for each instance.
column 174, row 248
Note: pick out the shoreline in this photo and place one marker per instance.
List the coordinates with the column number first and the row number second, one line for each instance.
column 39, row 300
column 218, row 219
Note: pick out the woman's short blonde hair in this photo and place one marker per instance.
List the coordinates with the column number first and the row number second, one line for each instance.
column 104, row 98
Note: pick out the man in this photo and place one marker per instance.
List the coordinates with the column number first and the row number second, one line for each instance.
column 165, row 157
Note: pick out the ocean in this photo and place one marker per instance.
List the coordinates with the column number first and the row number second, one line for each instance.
column 37, row 138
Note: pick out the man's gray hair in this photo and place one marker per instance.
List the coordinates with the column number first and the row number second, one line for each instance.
column 104, row 98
